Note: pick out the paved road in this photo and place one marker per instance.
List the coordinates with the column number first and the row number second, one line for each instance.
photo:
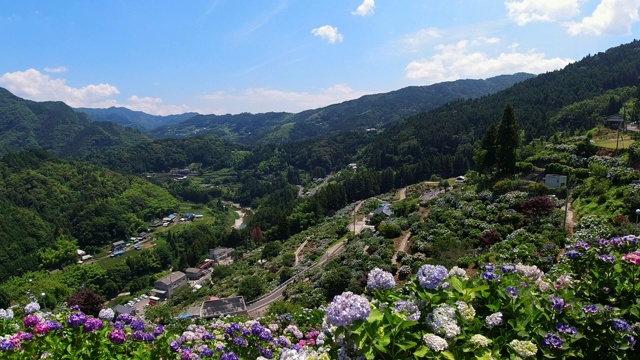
column 259, row 307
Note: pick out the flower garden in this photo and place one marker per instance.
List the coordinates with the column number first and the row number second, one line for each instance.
column 584, row 307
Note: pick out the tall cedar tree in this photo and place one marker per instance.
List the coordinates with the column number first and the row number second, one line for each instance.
column 507, row 141
column 485, row 157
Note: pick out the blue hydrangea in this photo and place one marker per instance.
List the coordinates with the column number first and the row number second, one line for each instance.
column 620, row 325
column 557, row 303
column 380, row 279
column 567, row 329
column 432, row 276
column 31, row 307
column 573, row 254
column 512, row 291
column 552, row 340
column 347, row 308
column 493, row 320
column 407, row 308
column 442, row 321
column 106, row 314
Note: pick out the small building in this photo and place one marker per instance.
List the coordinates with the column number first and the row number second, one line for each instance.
column 461, row 179
column 220, row 253
column 221, row 307
column 615, row 121
column 555, row 181
column 81, row 252
column 189, row 216
column 194, row 273
column 385, row 209
column 86, row 257
column 118, row 245
column 198, row 216
column 156, row 223
column 167, row 286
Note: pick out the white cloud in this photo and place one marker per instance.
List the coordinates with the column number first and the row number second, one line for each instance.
column 55, row 70
column 156, row 106
column 463, row 61
column 257, row 100
column 610, row 17
column 366, row 8
column 329, row 33
column 34, row 85
column 415, row 41
column 526, row 11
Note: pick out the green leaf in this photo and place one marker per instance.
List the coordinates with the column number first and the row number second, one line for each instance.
column 421, row 352
column 447, row 354
column 406, row 345
column 375, row 315
column 457, row 284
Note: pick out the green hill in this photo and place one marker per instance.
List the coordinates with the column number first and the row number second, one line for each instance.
column 56, row 127
column 134, row 119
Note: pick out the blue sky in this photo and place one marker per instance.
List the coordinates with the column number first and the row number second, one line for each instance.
column 232, row 56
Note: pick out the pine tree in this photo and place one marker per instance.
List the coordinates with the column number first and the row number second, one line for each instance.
column 507, row 141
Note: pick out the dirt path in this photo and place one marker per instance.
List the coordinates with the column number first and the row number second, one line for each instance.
column 359, row 224
column 402, row 193
column 240, row 220
column 401, row 246
column 571, row 223
column 298, row 251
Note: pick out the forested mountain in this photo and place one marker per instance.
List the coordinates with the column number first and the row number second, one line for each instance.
column 134, row 119
column 442, row 141
column 47, row 203
column 56, row 127
column 369, row 111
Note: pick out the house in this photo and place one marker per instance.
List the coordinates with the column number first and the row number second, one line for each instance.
column 118, row 246
column 461, row 179
column 156, row 223
column 615, row 121
column 81, row 252
column 353, row 166
column 189, row 216
column 220, row 253
column 86, row 257
column 194, row 273
column 385, row 209
column 555, row 181
column 167, row 286
column 143, row 236
column 221, row 307
column 198, row 216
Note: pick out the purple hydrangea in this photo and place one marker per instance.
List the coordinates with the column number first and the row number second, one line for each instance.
column 557, row 303
column 137, row 335
column 380, row 279
column 590, row 309
column 567, row 329
column 573, row 254
column 631, row 339
column 117, row 336
column 229, row 356
column 6, row 345
column 491, row 276
column 512, row 291
column 30, row 320
column 53, row 326
column 75, row 307
column 552, row 340
column 76, row 319
column 607, row 258
column 347, row 308
column 620, row 325
column 119, row 325
column 233, row 328
column 93, row 325
column 148, row 337
column 125, row 318
column 158, row 330
column 137, row 325
column 266, row 353
column 240, row 341
column 205, row 351
column 31, row 307
column 582, row 245
column 508, row 268
column 432, row 276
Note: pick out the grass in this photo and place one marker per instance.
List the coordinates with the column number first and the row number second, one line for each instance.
column 609, row 143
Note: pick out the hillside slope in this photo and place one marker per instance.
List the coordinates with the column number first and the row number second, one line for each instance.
column 56, row 127
column 134, row 119
column 377, row 110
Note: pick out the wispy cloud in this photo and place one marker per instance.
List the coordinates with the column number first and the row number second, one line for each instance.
column 258, row 100
column 55, row 70
column 328, row 33
column 468, row 59
column 526, row 11
column 611, row 17
column 366, row 8
column 261, row 20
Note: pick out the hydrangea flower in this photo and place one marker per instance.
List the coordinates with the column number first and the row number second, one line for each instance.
column 467, row 312
column 6, row 314
column 93, row 325
column 229, row 356
column 442, row 321
column 590, row 309
column 117, row 336
column 480, row 340
column 567, row 329
column 524, row 349
column 6, row 345
column 633, row 257
column 30, row 320
column 137, row 325
column 512, row 291
column 493, row 320
column 607, row 258
column 347, row 308
column 107, row 314
column 380, row 279
column 125, row 318
column 620, row 325
column 557, row 304
column 491, row 276
column 552, row 340
column 432, row 276
column 573, row 254
column 458, row 272
column 435, row 342
column 31, row 307
column 76, row 319
column 408, row 309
